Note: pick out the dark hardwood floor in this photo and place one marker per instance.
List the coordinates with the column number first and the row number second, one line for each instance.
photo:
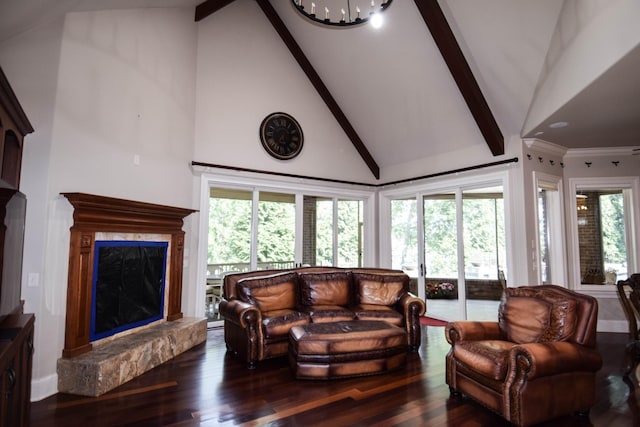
column 207, row 387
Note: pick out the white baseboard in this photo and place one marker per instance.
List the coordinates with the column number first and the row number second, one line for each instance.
column 620, row 326
column 42, row 388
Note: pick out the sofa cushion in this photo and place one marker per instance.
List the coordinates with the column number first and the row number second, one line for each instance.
column 378, row 312
column 278, row 322
column 528, row 315
column 379, row 288
column 269, row 293
column 328, row 313
column 331, row 288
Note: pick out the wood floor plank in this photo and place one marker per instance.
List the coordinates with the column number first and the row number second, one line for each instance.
column 207, row 386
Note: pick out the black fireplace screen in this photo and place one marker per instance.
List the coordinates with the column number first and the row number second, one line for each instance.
column 128, row 285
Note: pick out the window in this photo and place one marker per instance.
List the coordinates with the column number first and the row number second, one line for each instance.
column 276, row 230
column 349, row 233
column 604, row 231
column 601, row 236
column 229, row 236
column 318, row 231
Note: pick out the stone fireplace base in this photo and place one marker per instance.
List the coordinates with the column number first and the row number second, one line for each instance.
column 117, row 361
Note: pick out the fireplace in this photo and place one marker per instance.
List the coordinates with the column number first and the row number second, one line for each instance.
column 99, row 218
column 123, row 294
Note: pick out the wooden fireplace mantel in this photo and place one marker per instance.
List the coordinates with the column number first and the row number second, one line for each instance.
column 93, row 214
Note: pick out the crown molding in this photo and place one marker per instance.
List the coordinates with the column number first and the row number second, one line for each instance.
column 546, row 147
column 601, row 152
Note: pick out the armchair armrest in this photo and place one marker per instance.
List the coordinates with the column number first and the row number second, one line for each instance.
column 536, row 360
column 241, row 313
column 473, row 331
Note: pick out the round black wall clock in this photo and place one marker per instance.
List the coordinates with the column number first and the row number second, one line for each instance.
column 281, row 136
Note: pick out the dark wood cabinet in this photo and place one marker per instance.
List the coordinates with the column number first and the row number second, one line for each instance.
column 16, row 354
column 16, row 327
column 14, row 126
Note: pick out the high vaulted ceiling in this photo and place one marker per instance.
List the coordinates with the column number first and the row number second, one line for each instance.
column 397, row 92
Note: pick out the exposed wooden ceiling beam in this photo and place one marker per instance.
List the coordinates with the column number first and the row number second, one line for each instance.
column 462, row 74
column 208, row 7
column 317, row 82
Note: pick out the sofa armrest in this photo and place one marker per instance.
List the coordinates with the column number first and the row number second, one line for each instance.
column 241, row 313
column 411, row 305
column 534, row 360
column 412, row 308
column 469, row 330
column 242, row 330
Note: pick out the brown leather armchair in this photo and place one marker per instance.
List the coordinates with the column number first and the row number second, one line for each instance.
column 538, row 362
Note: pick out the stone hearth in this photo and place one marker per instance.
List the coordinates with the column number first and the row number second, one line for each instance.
column 114, row 362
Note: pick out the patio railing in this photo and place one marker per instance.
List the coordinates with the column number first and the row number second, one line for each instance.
column 218, row 270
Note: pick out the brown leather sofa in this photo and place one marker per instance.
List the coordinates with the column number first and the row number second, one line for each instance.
column 538, row 362
column 260, row 307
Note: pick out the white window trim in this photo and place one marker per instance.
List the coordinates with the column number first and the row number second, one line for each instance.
column 558, row 270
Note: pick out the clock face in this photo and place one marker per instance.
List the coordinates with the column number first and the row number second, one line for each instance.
column 281, row 136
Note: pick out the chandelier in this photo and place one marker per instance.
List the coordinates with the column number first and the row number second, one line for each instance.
column 342, row 13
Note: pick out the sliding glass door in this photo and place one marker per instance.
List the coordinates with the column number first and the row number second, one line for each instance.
column 229, row 241
column 404, row 240
column 484, row 251
column 441, row 254
column 261, row 229
column 452, row 245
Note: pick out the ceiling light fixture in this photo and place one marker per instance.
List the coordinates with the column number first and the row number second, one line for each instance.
column 558, row 125
column 342, row 13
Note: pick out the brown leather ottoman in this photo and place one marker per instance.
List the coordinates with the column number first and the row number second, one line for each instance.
column 346, row 349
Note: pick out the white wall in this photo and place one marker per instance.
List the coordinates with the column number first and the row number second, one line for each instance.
column 126, row 88
column 245, row 72
column 591, row 35
column 30, row 61
column 99, row 89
